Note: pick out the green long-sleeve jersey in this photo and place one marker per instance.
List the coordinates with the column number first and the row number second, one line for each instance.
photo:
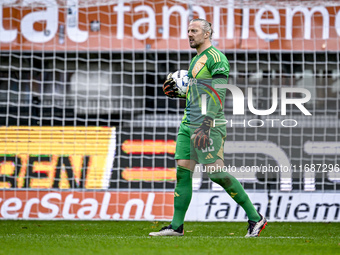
column 202, row 88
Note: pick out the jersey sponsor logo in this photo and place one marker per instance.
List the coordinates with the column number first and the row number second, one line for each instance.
column 218, row 69
column 209, row 156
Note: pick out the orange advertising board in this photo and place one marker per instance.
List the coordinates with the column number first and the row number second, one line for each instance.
column 149, row 146
column 162, row 25
column 86, row 205
column 56, row 157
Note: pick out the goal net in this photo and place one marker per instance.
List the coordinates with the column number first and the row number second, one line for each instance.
column 86, row 131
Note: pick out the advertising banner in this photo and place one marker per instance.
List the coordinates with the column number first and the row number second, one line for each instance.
column 277, row 206
column 162, row 25
column 205, row 206
column 85, row 205
column 56, row 157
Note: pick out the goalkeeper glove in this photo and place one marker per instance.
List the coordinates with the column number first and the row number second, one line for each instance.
column 201, row 134
column 169, row 87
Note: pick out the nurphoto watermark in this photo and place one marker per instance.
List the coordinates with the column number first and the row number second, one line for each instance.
column 279, row 96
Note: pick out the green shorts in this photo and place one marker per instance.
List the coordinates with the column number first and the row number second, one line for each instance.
column 185, row 148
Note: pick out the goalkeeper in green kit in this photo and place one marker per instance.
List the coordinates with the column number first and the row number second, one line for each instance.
column 202, row 132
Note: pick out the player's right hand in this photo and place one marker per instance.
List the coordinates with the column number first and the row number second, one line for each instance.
column 201, row 135
column 169, row 87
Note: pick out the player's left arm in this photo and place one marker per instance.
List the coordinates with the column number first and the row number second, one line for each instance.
column 220, row 74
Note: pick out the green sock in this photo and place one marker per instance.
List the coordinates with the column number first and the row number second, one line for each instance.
column 182, row 195
column 234, row 188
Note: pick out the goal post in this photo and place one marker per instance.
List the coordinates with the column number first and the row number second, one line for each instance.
column 86, row 131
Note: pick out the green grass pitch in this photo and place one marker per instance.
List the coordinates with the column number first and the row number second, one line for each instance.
column 131, row 237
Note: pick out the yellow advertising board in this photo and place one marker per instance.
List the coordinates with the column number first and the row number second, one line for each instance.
column 56, row 157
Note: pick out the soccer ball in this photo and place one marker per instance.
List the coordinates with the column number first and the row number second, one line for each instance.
column 182, row 80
